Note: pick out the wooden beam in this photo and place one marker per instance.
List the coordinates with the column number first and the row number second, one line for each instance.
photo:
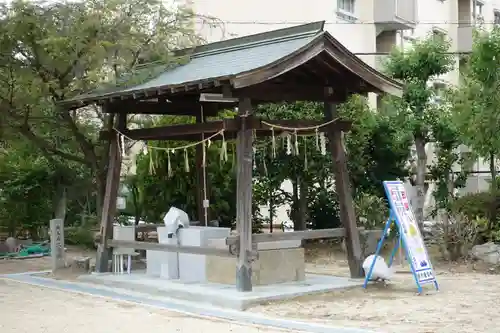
column 109, row 202
column 157, row 106
column 343, row 188
column 269, row 92
column 192, row 132
column 210, row 251
column 295, row 235
column 244, row 197
column 166, row 132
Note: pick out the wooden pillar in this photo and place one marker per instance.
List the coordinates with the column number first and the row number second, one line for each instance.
column 244, row 150
column 201, row 181
column 343, row 188
column 110, row 197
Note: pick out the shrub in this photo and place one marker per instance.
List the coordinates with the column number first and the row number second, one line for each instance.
column 479, row 206
column 79, row 236
column 324, row 211
column 456, row 236
column 474, row 205
column 371, row 210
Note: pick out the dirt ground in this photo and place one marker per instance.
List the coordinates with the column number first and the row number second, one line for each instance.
column 28, row 309
column 467, row 302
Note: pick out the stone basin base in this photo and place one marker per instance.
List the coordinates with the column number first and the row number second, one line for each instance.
column 274, row 265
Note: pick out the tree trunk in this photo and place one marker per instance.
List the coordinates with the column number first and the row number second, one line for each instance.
column 294, row 209
column 444, row 213
column 302, row 206
column 100, row 180
column 60, row 203
column 101, row 169
column 135, row 201
column 420, row 180
column 271, row 211
column 493, row 189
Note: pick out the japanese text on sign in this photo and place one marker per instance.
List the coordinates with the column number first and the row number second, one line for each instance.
column 410, row 232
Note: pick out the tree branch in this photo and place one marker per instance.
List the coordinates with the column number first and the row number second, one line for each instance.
column 85, row 144
column 45, row 147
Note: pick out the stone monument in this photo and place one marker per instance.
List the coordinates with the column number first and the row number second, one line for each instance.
column 57, row 244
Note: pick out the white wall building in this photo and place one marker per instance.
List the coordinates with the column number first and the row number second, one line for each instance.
column 368, row 28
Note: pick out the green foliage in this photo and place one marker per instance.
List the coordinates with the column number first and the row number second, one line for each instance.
column 372, row 211
column 324, row 211
column 377, row 148
column 478, row 206
column 425, row 60
column 377, row 145
column 29, row 183
column 474, row 204
column 79, row 236
column 157, row 191
column 304, row 169
column 50, row 51
column 447, row 140
column 476, row 103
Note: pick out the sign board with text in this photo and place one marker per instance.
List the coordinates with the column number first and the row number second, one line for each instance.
column 409, row 233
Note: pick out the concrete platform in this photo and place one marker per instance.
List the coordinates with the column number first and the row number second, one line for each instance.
column 222, row 295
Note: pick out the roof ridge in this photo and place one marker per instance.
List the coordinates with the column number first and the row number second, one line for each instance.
column 304, row 29
column 254, row 44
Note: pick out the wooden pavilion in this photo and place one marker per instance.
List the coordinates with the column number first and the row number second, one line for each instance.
column 302, row 63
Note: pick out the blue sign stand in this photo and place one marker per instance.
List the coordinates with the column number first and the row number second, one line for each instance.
column 423, row 273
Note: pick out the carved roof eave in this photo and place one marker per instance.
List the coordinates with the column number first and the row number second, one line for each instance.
column 323, row 43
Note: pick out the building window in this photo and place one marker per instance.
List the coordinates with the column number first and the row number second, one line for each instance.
column 346, row 6
column 479, row 11
column 467, row 161
column 479, row 7
column 496, row 15
column 438, row 34
column 346, row 9
column 439, row 91
column 408, row 35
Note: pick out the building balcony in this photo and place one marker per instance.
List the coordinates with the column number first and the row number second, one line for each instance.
column 464, row 42
column 392, row 15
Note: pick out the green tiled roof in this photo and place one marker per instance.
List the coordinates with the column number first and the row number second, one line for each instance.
column 223, row 59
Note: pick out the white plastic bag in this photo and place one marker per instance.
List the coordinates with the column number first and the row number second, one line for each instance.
column 380, row 270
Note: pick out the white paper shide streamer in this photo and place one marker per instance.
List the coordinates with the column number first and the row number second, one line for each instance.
column 322, row 140
column 288, row 144
column 122, row 145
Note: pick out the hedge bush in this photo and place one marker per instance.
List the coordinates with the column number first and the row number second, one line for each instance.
column 476, row 205
column 79, row 236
